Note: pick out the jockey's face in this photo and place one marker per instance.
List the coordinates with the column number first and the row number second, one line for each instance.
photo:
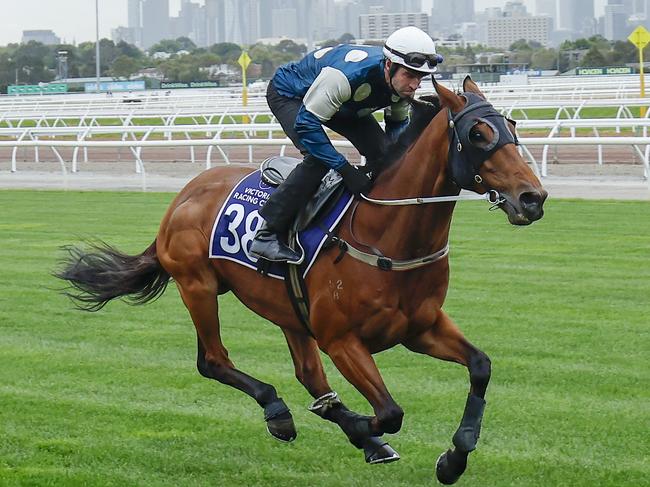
column 405, row 81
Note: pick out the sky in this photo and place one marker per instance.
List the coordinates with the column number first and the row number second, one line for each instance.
column 74, row 20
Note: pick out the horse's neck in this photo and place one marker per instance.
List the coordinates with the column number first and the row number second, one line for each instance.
column 412, row 231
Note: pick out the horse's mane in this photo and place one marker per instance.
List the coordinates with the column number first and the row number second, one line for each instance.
column 423, row 110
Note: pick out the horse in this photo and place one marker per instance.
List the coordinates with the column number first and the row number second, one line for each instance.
column 355, row 309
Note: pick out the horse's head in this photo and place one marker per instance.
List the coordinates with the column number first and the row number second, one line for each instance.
column 483, row 155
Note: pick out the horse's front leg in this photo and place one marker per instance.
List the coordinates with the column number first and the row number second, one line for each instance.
column 356, row 364
column 327, row 405
column 445, row 341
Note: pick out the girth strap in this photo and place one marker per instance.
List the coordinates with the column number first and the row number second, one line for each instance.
column 296, row 287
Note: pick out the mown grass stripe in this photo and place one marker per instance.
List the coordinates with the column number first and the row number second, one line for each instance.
column 114, row 398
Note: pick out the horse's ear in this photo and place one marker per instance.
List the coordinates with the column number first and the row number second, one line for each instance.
column 447, row 97
column 469, row 85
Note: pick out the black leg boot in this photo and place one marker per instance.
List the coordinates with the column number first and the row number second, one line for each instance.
column 268, row 245
column 281, row 209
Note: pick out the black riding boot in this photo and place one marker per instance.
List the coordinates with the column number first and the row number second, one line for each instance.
column 281, row 209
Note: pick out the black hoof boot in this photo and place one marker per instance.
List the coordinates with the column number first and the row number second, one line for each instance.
column 450, row 466
column 279, row 422
column 282, row 429
column 378, row 451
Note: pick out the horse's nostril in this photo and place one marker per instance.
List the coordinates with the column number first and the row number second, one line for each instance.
column 531, row 203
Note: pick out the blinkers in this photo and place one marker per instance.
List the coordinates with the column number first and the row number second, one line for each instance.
column 466, row 156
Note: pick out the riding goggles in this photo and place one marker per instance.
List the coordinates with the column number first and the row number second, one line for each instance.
column 417, row 59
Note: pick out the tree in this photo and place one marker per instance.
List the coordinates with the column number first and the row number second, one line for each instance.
column 124, row 67
column 470, row 56
column 287, row 46
column 544, row 59
column 346, row 38
column 125, row 49
column 170, row 46
column 264, row 56
column 594, row 58
column 622, row 52
column 228, row 52
column 520, row 45
column 30, row 60
column 186, row 43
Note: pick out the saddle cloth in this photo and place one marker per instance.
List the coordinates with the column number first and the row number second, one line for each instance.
column 238, row 220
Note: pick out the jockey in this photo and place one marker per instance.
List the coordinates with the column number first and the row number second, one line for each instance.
column 339, row 87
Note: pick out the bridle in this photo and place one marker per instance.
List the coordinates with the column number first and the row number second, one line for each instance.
column 464, row 160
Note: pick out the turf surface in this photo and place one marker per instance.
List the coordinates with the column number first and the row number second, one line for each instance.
column 113, row 398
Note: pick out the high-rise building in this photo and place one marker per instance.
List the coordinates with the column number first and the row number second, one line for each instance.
column 401, row 6
column 615, row 21
column 215, row 20
column 575, row 16
column 504, row 31
column 378, row 26
column 347, row 17
column 515, row 9
column 546, row 7
column 235, row 21
column 640, row 14
column 155, row 22
column 130, row 35
column 323, row 25
column 190, row 23
column 47, row 37
column 447, row 13
column 285, row 22
column 134, row 13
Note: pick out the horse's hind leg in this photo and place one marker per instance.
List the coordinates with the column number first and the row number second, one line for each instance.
column 445, row 341
column 199, row 293
column 327, row 405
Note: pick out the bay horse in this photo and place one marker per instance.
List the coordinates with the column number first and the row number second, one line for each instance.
column 355, row 309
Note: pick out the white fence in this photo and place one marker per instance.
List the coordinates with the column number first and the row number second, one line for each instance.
column 218, row 136
column 212, row 119
column 137, row 145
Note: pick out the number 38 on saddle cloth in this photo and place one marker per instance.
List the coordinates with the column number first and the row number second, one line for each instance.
column 239, row 219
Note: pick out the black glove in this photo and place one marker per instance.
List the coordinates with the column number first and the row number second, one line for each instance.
column 356, row 181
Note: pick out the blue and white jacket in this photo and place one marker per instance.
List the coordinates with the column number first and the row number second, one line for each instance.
column 346, row 80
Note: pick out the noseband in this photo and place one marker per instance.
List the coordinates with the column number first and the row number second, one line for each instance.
column 465, row 157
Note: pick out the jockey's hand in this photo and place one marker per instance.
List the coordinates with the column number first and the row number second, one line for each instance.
column 356, row 181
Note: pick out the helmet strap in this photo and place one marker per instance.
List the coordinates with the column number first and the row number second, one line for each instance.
column 391, row 72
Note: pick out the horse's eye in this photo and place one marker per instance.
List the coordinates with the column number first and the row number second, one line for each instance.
column 476, row 136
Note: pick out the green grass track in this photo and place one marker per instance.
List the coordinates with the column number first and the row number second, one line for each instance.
column 114, row 399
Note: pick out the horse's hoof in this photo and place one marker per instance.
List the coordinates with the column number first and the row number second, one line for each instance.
column 378, row 451
column 450, row 467
column 282, row 429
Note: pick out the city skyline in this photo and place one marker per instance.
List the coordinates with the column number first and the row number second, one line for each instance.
column 77, row 23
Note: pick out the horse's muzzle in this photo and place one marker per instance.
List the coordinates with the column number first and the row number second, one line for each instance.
column 526, row 209
column 532, row 204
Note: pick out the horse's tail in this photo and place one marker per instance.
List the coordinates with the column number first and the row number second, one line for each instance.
column 104, row 273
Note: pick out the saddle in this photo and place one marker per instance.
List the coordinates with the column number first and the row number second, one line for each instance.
column 276, row 169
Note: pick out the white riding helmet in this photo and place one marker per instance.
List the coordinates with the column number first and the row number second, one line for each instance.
column 413, row 49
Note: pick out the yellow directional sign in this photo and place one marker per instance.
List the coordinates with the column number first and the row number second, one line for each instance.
column 244, row 60
column 639, row 37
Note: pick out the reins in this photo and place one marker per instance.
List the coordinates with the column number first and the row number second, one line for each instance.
column 491, row 196
column 376, row 258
